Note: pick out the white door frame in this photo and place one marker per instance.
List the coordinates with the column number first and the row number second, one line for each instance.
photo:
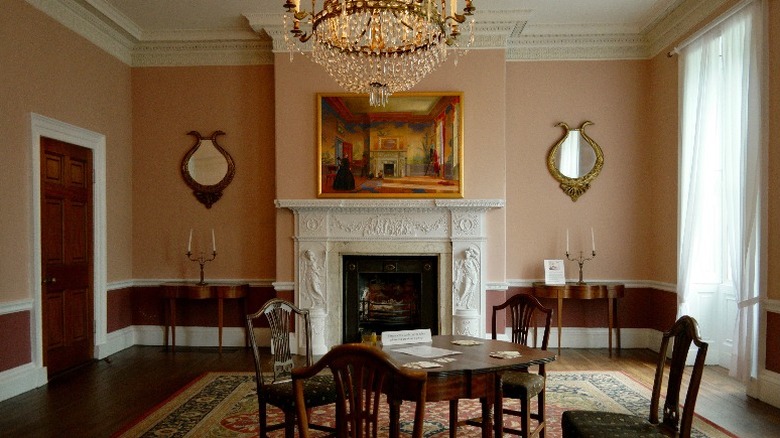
column 42, row 126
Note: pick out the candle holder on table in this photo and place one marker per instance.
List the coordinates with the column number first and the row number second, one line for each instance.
column 581, row 261
column 201, row 259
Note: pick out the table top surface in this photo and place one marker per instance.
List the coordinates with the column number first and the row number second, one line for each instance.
column 473, row 359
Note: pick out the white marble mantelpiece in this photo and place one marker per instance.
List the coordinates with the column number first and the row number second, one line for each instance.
column 451, row 229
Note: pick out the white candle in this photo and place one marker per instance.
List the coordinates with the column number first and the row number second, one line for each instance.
column 567, row 241
column 213, row 241
column 593, row 239
column 189, row 242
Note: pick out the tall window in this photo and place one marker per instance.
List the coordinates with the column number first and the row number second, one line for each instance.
column 720, row 178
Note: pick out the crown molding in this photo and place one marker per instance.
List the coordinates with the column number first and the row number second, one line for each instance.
column 103, row 25
column 198, row 53
column 576, row 47
column 86, row 23
column 686, row 15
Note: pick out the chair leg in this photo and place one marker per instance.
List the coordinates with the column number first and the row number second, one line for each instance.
column 525, row 417
column 453, row 418
column 263, row 424
column 540, row 413
column 289, row 424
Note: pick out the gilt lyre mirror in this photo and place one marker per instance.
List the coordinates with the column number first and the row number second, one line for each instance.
column 207, row 168
column 575, row 161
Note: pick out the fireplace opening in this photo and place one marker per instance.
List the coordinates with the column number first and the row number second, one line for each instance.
column 389, row 293
column 389, row 169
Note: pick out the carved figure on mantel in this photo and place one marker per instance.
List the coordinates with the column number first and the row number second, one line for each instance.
column 466, row 284
column 312, row 279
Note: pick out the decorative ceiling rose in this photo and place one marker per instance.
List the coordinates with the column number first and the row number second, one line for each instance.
column 377, row 47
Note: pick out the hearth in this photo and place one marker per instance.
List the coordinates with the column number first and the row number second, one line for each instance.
column 389, row 293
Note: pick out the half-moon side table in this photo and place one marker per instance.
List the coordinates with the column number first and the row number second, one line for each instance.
column 193, row 291
column 584, row 291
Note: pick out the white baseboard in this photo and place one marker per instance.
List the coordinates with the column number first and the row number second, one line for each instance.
column 116, row 342
column 185, row 337
column 21, row 379
column 769, row 388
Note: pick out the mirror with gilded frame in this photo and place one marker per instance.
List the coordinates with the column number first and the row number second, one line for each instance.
column 207, row 168
column 575, row 160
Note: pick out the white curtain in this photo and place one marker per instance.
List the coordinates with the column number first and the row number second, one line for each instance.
column 721, row 105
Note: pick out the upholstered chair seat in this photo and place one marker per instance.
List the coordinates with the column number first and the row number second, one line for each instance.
column 521, row 385
column 318, row 391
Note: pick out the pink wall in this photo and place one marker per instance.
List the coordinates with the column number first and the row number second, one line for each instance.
column 167, row 104
column 773, row 283
column 613, row 95
column 49, row 70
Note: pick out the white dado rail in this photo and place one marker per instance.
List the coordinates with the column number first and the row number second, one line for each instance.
column 452, row 229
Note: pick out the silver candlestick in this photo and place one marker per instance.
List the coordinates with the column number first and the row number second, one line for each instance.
column 201, row 259
column 581, row 261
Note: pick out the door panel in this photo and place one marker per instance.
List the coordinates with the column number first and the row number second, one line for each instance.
column 66, row 251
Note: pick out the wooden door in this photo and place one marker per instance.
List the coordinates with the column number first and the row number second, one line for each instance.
column 66, row 251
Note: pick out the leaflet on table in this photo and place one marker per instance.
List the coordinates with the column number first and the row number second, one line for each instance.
column 554, row 272
column 426, row 351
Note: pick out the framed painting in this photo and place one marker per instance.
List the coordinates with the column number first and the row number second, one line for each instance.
column 410, row 148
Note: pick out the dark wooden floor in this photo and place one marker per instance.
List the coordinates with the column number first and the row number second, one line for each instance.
column 100, row 398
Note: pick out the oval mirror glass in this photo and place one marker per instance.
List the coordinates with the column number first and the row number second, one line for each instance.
column 575, row 158
column 207, row 166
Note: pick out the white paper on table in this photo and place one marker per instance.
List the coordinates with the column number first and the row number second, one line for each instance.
column 554, row 272
column 426, row 351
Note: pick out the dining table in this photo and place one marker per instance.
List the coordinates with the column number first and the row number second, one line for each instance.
column 464, row 367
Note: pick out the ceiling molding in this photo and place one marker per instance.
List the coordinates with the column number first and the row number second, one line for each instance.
column 200, row 53
column 576, row 47
column 103, row 25
column 687, row 15
column 77, row 18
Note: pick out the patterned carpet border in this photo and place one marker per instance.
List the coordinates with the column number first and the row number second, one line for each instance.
column 221, row 405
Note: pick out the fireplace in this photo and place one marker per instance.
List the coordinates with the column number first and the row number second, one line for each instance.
column 389, row 169
column 389, row 293
column 450, row 233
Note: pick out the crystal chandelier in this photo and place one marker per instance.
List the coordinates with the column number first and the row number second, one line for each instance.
column 377, row 47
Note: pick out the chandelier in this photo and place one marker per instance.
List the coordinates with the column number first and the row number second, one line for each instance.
column 377, row 47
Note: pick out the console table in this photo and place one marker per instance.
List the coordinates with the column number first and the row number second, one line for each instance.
column 584, row 291
column 193, row 291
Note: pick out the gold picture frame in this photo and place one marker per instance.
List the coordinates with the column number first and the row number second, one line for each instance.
column 411, row 148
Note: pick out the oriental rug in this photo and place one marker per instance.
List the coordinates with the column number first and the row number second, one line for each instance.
column 225, row 405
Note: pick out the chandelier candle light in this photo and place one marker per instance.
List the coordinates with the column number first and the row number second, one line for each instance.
column 201, row 259
column 377, row 47
column 582, row 259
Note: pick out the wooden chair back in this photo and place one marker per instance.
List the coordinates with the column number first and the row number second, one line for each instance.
column 521, row 317
column 363, row 374
column 683, row 333
column 281, row 316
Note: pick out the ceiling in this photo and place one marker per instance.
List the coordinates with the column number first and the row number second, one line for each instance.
column 164, row 18
column 187, row 32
